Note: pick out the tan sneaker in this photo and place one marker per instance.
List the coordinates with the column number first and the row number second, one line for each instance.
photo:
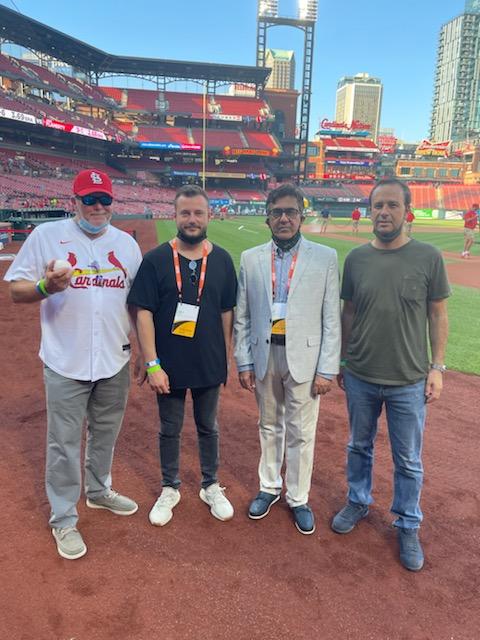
column 70, row 544
column 162, row 510
column 114, row 502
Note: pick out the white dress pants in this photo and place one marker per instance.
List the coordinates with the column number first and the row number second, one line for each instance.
column 288, row 420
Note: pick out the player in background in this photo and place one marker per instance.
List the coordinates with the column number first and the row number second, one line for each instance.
column 470, row 221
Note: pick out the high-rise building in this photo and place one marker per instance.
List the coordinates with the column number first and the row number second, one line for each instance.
column 359, row 98
column 472, row 6
column 456, row 96
column 282, row 64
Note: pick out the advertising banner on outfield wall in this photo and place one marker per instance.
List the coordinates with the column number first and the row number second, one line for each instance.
column 423, row 213
column 17, row 115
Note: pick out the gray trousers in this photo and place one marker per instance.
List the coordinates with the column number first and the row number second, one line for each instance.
column 69, row 402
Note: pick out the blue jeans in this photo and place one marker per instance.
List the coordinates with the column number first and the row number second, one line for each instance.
column 405, row 410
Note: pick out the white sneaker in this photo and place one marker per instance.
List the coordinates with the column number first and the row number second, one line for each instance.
column 162, row 510
column 214, row 496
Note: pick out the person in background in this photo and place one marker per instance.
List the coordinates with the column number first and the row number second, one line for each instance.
column 470, row 221
column 409, row 219
column 326, row 217
column 356, row 215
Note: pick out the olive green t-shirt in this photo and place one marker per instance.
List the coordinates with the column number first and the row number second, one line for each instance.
column 390, row 290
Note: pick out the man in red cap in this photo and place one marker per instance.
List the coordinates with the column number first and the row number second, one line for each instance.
column 470, row 221
column 356, row 215
column 80, row 270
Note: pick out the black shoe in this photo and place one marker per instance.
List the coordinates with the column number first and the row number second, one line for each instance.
column 304, row 519
column 260, row 507
column 348, row 517
column 411, row 553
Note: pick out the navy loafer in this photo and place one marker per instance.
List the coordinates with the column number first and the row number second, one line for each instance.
column 260, row 507
column 304, row 519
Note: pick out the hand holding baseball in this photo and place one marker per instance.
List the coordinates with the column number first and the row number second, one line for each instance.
column 57, row 276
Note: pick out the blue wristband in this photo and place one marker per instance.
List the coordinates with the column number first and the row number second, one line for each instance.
column 152, row 363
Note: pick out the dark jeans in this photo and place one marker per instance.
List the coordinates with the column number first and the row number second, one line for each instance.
column 171, row 408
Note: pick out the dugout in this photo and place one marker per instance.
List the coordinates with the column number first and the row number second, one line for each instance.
column 22, row 222
column 337, row 209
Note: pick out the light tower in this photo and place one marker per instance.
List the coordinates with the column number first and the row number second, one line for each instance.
column 267, row 17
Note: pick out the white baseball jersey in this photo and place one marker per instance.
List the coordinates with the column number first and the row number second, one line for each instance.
column 84, row 328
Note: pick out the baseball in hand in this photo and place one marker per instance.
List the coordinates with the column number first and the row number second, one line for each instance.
column 61, row 264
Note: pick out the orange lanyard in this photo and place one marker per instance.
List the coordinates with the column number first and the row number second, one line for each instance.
column 178, row 275
column 290, row 271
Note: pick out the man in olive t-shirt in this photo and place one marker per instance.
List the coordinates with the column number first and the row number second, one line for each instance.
column 393, row 288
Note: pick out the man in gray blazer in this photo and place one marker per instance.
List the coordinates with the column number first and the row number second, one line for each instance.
column 287, row 349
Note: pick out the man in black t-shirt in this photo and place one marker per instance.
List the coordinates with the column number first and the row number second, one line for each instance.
column 392, row 288
column 184, row 293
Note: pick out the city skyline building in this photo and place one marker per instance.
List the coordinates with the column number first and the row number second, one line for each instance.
column 359, row 98
column 456, row 94
column 282, row 63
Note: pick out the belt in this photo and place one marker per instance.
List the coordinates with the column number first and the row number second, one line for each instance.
column 277, row 339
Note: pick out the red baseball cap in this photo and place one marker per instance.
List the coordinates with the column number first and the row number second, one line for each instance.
column 92, row 181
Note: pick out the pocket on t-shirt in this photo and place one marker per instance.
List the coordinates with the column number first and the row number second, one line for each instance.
column 411, row 289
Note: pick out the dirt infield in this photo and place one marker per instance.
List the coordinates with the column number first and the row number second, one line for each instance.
column 201, row 579
column 462, row 272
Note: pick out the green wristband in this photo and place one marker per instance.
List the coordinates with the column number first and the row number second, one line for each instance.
column 41, row 288
column 343, row 362
column 153, row 369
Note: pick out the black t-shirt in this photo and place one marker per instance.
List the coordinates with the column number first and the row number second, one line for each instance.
column 189, row 362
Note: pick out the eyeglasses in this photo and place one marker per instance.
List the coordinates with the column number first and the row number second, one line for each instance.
column 290, row 212
column 192, row 265
column 89, row 200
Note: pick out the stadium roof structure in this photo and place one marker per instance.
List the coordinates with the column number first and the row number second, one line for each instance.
column 27, row 32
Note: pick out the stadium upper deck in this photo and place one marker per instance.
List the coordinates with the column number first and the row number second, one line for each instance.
column 151, row 135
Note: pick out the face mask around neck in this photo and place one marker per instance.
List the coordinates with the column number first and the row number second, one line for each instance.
column 189, row 240
column 88, row 227
column 286, row 245
column 389, row 236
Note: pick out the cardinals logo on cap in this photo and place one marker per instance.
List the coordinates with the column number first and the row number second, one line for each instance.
column 96, row 178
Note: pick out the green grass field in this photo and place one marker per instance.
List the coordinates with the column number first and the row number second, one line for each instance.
column 463, row 353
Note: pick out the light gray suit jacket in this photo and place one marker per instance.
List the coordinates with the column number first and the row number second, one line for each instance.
column 313, row 312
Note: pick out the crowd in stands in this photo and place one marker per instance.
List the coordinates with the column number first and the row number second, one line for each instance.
column 34, row 180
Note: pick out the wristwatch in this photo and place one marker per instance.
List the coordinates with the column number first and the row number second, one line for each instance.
column 438, row 367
